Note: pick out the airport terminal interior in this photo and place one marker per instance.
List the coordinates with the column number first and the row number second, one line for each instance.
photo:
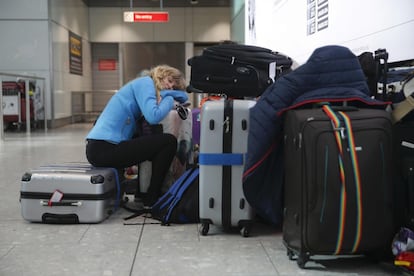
column 70, row 56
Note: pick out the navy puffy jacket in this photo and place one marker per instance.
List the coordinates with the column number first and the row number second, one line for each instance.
column 332, row 73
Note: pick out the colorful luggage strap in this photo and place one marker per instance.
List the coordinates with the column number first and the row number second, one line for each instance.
column 340, row 135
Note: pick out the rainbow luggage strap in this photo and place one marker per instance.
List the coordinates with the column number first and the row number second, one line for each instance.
column 340, row 137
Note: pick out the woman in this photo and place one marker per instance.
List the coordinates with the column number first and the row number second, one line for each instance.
column 111, row 142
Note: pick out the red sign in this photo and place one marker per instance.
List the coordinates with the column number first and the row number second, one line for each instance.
column 146, row 17
column 107, row 64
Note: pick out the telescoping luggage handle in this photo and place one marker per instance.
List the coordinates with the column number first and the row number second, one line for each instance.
column 342, row 132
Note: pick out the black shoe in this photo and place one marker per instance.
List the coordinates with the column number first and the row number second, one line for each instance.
column 149, row 202
column 135, row 205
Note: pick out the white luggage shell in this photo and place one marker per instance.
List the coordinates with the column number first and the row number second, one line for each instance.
column 223, row 144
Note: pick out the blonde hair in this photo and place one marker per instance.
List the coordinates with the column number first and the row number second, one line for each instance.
column 160, row 72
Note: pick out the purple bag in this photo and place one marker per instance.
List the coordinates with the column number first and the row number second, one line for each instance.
column 403, row 241
column 196, row 126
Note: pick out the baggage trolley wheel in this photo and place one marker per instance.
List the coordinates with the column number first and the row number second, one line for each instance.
column 302, row 260
column 204, row 228
column 245, row 231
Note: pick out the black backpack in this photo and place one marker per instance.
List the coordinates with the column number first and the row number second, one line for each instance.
column 180, row 204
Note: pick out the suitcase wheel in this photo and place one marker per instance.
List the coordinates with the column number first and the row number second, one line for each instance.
column 245, row 231
column 245, row 227
column 290, row 255
column 205, row 227
column 302, row 260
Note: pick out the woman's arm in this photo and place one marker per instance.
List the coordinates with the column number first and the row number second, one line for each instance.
column 144, row 93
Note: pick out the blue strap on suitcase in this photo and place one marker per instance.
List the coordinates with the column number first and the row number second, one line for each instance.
column 223, row 159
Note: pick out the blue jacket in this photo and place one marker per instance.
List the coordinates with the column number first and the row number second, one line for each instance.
column 117, row 122
column 332, row 73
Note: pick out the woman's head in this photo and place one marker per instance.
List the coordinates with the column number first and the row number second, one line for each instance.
column 167, row 77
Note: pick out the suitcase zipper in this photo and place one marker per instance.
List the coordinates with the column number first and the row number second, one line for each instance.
column 61, row 203
column 40, row 195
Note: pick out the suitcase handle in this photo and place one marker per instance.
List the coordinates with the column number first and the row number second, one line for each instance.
column 60, row 218
column 344, row 108
column 192, row 89
column 217, row 79
column 337, row 108
column 61, row 203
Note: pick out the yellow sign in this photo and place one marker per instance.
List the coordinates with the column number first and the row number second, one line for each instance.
column 75, row 54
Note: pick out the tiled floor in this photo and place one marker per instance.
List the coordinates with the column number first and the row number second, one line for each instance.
column 113, row 248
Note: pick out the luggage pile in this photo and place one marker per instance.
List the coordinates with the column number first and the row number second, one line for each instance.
column 234, row 72
column 372, row 165
column 396, row 84
column 314, row 150
column 324, row 169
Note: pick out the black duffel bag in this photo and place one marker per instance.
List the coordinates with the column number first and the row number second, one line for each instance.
column 236, row 70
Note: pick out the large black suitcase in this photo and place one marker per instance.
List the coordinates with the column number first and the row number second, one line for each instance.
column 325, row 214
column 236, row 70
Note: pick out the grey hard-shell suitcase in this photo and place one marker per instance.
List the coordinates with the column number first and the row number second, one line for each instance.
column 324, row 213
column 223, row 144
column 69, row 193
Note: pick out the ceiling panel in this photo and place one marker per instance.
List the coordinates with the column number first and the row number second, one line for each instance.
column 157, row 3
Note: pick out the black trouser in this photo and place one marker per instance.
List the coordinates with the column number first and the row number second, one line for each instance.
column 160, row 149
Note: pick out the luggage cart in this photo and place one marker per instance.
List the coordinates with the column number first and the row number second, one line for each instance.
column 14, row 105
